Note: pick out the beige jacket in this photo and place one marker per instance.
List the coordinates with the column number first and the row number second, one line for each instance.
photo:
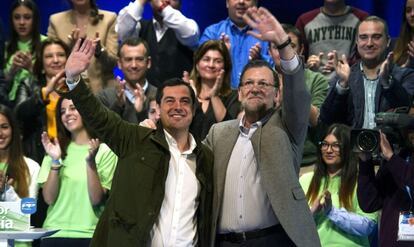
column 100, row 71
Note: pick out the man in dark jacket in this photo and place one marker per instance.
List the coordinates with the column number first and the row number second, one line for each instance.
column 373, row 85
column 162, row 189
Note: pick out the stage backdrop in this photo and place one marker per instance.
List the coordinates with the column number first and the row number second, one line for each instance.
column 206, row 12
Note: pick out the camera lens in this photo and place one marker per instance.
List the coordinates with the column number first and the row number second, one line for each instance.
column 367, row 141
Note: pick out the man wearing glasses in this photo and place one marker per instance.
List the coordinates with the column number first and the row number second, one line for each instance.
column 373, row 85
column 258, row 200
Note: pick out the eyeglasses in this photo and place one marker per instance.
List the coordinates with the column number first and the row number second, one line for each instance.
column 260, row 84
column 336, row 147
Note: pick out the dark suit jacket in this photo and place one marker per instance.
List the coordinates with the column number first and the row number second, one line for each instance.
column 349, row 108
column 278, row 146
column 138, row 185
column 127, row 112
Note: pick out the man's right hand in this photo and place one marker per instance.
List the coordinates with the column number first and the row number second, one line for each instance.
column 79, row 58
column 341, row 67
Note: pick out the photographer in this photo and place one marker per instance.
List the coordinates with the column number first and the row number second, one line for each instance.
column 390, row 190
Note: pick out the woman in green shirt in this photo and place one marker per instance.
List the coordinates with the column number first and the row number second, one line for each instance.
column 331, row 192
column 24, row 42
column 76, row 176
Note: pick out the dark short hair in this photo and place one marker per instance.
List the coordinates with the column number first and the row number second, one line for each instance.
column 173, row 82
column 289, row 28
column 131, row 41
column 373, row 18
column 259, row 63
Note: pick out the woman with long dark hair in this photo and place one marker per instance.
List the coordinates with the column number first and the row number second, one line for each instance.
column 210, row 78
column 76, row 175
column 36, row 99
column 23, row 44
column 85, row 20
column 18, row 174
column 404, row 46
column 331, row 192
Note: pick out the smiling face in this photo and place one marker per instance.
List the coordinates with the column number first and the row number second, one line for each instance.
column 372, row 41
column 262, row 94
column 237, row 8
column 210, row 65
column 176, row 109
column 5, row 132
column 54, row 59
column 331, row 152
column 134, row 63
column 22, row 18
column 70, row 116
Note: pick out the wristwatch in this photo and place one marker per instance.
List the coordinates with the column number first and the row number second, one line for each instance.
column 284, row 44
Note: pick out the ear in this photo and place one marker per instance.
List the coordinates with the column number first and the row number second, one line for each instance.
column 149, row 63
column 301, row 49
column 239, row 94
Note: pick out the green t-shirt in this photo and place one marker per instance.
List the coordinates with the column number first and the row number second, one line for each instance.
column 72, row 211
column 22, row 74
column 330, row 234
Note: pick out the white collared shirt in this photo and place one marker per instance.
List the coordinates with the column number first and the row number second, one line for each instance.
column 186, row 30
column 177, row 222
column 245, row 205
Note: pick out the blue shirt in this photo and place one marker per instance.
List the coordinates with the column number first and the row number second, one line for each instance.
column 241, row 43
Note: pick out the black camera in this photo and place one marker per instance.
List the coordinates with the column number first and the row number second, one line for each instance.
column 390, row 123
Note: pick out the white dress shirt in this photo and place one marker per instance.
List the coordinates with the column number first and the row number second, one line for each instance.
column 177, row 222
column 186, row 30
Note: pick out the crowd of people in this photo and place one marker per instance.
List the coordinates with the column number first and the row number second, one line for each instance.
column 239, row 135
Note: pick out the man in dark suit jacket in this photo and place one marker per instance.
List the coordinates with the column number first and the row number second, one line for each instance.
column 258, row 200
column 375, row 84
column 130, row 98
column 162, row 188
column 170, row 35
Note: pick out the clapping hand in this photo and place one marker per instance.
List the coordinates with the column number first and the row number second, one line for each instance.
column 385, row 70
column 93, row 150
column 341, row 67
column 314, row 61
column 52, row 147
column 22, row 60
column 139, row 98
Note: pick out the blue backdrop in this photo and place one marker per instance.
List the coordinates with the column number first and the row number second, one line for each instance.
column 206, row 12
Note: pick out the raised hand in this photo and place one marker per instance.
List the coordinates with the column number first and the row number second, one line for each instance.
column 385, row 70
column 93, row 150
column 79, row 58
column 254, row 51
column 52, row 147
column 51, row 84
column 120, row 91
column 215, row 91
column 330, row 63
column 268, row 27
column 386, row 149
column 226, row 39
column 186, row 78
column 341, row 67
column 139, row 98
column 314, row 61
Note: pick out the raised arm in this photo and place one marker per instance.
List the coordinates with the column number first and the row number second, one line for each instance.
column 296, row 98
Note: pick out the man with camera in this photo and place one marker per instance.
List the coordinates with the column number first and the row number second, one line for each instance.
column 375, row 84
column 390, row 190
